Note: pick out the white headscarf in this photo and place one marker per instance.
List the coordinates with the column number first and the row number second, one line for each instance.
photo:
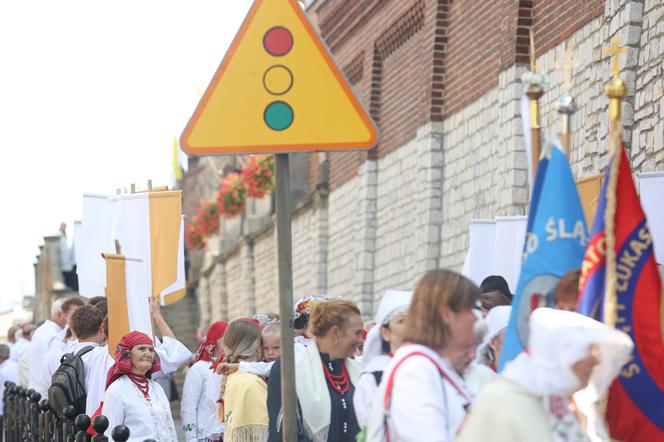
column 558, row 339
column 392, row 303
column 496, row 322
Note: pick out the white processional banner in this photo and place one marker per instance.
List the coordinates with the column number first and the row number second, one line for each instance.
column 93, row 239
column 495, row 248
column 479, row 259
column 138, row 296
column 86, row 287
column 508, row 248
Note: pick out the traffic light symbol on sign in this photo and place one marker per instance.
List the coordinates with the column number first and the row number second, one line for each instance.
column 278, row 41
column 278, row 79
column 278, row 89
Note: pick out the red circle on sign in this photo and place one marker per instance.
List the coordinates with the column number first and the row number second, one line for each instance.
column 278, row 41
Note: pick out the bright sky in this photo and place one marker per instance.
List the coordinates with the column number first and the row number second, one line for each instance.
column 91, row 95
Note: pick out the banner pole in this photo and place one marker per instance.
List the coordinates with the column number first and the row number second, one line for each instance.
column 285, row 260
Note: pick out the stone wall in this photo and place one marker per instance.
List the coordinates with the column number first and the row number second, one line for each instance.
column 648, row 134
column 342, row 252
column 484, row 164
column 396, row 218
column 309, row 231
column 266, row 276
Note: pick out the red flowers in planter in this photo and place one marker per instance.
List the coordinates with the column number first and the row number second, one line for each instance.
column 194, row 235
column 256, row 180
column 232, row 195
column 202, row 225
column 258, row 174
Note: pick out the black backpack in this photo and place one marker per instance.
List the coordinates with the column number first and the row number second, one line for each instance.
column 68, row 384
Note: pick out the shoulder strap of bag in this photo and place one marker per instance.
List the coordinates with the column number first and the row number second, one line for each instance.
column 390, row 383
column 85, row 350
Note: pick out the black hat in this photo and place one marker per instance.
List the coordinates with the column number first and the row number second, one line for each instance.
column 496, row 283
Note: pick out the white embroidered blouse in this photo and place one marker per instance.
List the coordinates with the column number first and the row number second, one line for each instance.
column 147, row 418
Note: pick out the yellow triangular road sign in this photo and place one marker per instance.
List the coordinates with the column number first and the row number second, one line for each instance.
column 278, row 90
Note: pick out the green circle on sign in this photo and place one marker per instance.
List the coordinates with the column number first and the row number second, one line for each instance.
column 278, row 115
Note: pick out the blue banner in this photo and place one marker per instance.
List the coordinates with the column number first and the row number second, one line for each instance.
column 555, row 244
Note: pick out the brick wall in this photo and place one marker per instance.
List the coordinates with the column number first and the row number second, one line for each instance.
column 557, row 20
column 380, row 45
column 416, row 61
column 471, row 64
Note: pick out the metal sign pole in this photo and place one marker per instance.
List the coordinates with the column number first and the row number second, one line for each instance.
column 284, row 254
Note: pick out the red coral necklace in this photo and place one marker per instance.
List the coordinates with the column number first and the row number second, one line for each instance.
column 141, row 383
column 340, row 383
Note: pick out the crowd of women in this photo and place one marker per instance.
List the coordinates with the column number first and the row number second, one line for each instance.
column 423, row 370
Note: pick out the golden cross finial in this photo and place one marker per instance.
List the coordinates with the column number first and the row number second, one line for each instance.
column 568, row 63
column 533, row 60
column 614, row 51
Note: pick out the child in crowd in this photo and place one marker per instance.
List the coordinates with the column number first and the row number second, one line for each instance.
column 271, row 343
column 271, row 338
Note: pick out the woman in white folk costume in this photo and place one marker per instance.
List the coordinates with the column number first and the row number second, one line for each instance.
column 491, row 347
column 325, row 377
column 242, row 404
column 476, row 374
column 489, row 333
column 552, row 391
column 172, row 355
column 196, row 408
column 422, row 397
column 382, row 341
column 132, row 398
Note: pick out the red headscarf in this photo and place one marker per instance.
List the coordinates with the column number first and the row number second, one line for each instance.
column 122, row 364
column 215, row 332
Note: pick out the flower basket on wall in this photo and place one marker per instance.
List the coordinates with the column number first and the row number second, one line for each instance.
column 258, row 175
column 194, row 236
column 204, row 224
column 232, row 195
column 209, row 217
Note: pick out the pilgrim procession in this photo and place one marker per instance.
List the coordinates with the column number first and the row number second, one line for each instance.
column 381, row 220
